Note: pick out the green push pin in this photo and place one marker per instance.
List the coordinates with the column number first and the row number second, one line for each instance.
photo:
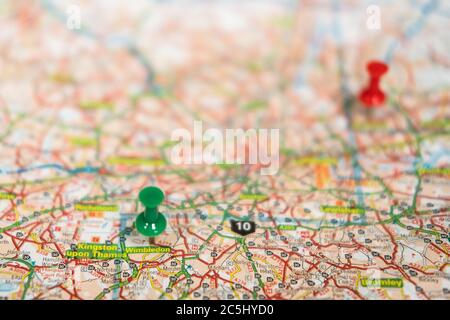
column 151, row 222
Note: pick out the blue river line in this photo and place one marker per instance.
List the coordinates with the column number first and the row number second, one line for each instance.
column 79, row 170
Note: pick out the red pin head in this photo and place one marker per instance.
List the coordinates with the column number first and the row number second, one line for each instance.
column 372, row 95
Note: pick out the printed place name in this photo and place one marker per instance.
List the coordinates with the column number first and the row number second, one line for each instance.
column 129, row 161
column 343, row 210
column 110, row 251
column 7, row 196
column 311, row 160
column 434, row 171
column 96, row 207
column 94, row 105
column 253, row 196
column 287, row 227
column 83, row 142
column 382, row 283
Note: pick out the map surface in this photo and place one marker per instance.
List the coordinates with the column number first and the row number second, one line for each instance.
column 359, row 208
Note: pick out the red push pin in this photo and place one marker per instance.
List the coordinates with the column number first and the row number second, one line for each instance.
column 372, row 95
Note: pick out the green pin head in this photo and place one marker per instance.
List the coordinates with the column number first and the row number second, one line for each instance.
column 151, row 197
column 151, row 222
